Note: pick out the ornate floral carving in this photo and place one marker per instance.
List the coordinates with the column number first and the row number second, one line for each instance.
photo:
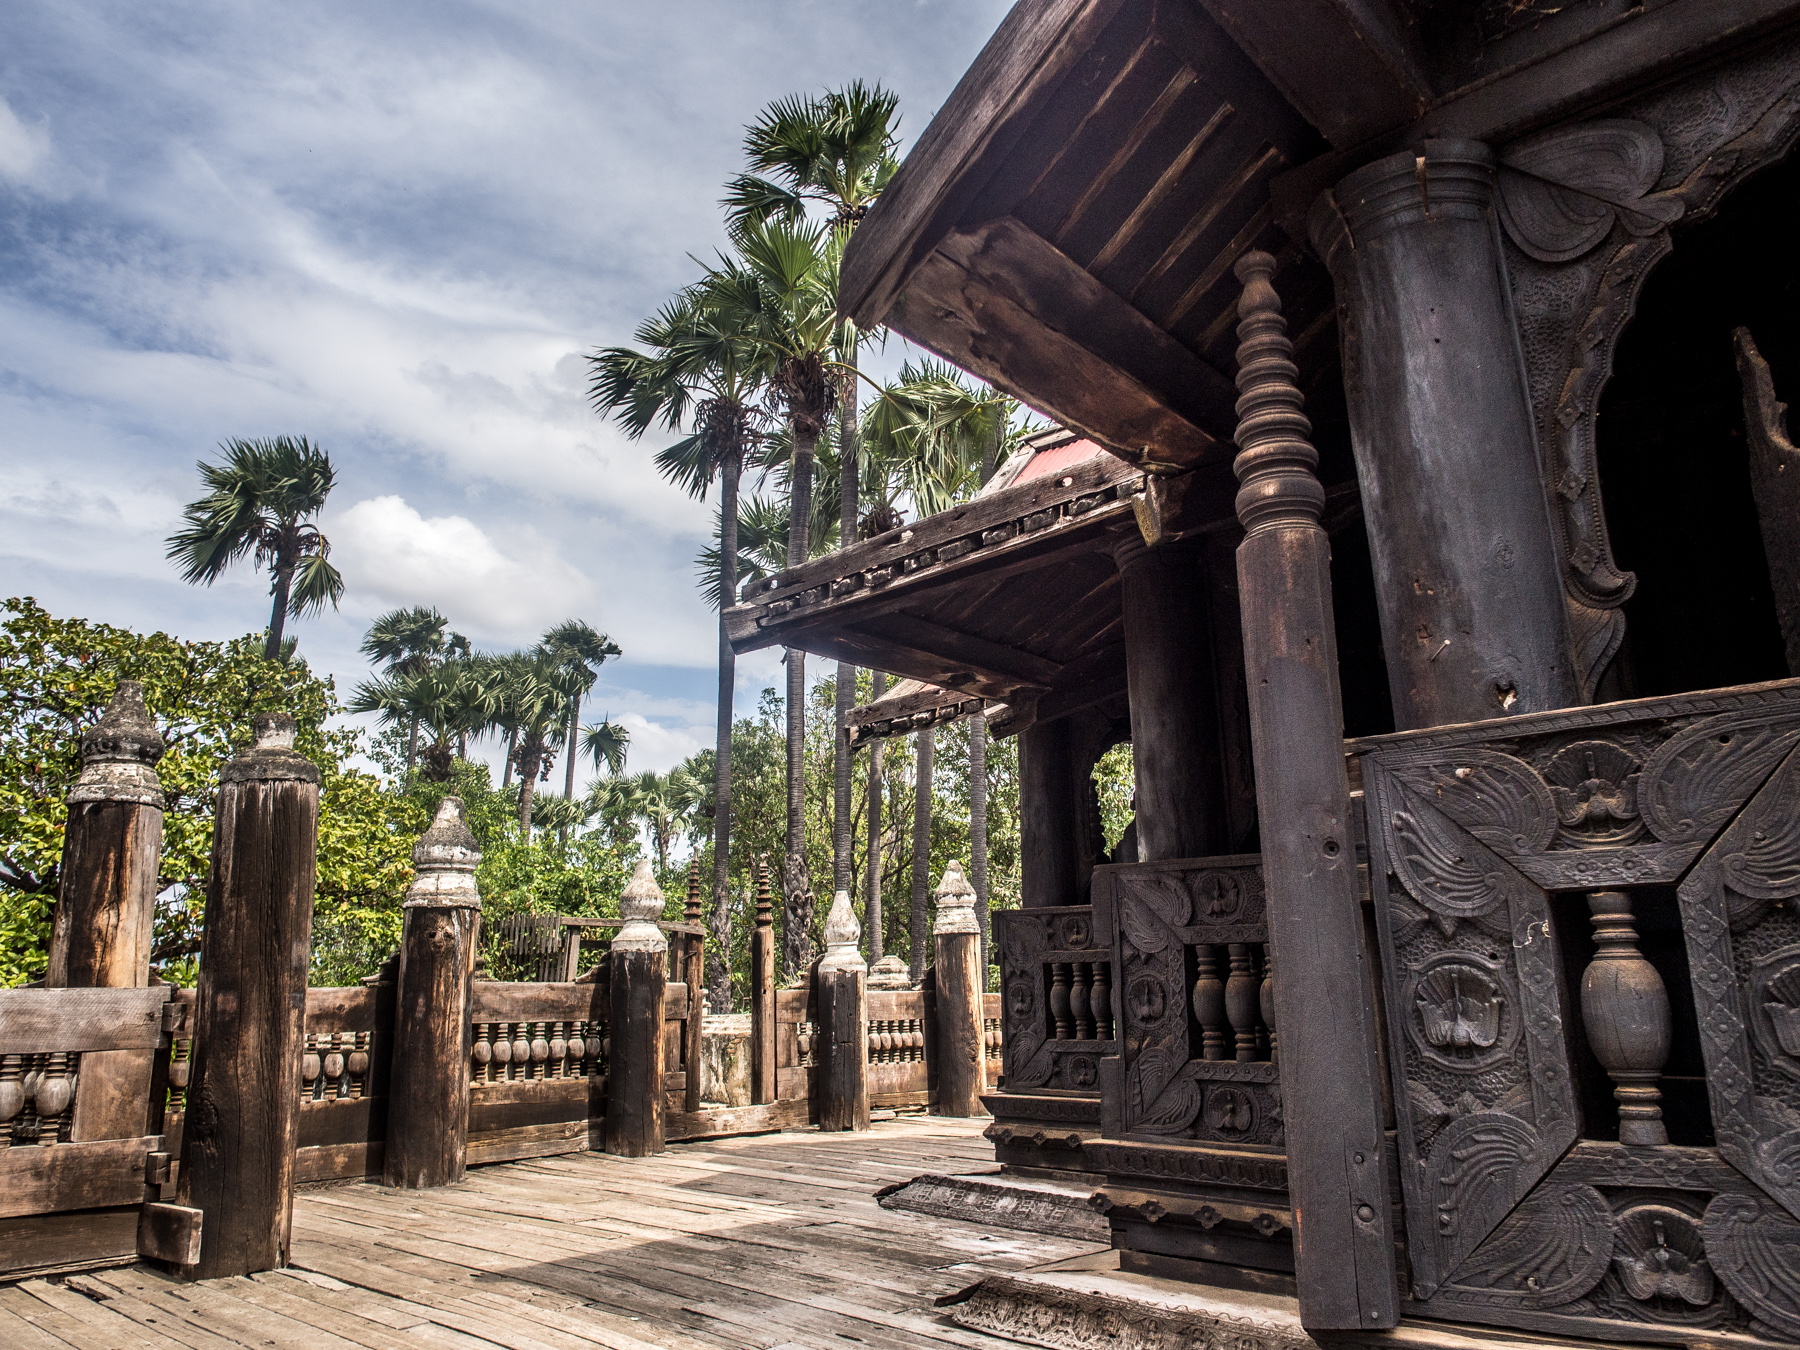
column 1595, row 787
column 1549, row 1251
column 1775, row 1008
column 1480, row 1168
column 1755, row 1249
column 1462, row 1015
column 1662, row 1256
column 1496, row 797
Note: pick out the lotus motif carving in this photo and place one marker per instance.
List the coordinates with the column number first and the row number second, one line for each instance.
column 1663, row 1256
column 1460, row 1008
column 1595, row 787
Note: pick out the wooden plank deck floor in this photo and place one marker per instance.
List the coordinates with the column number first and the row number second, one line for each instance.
column 734, row 1244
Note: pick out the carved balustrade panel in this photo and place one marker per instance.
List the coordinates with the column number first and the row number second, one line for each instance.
column 1197, row 1040
column 1510, row 1219
column 1057, row 998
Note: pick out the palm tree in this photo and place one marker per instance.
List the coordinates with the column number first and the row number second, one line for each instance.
column 449, row 699
column 584, row 651
column 838, row 150
column 536, row 691
column 698, row 370
column 261, row 501
column 410, row 640
column 664, row 802
column 607, row 743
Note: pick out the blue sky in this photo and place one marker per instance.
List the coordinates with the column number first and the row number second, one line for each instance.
column 395, row 229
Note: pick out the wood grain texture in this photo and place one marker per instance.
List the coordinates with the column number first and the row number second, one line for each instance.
column 106, row 896
column 47, row 1179
column 635, row 1105
column 78, row 1020
column 961, row 1058
column 843, row 1083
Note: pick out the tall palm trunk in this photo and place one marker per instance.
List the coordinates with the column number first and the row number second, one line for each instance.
column 796, row 885
column 284, row 584
column 531, row 760
column 978, row 828
column 718, row 969
column 920, row 929
column 569, row 757
column 872, row 910
column 843, row 866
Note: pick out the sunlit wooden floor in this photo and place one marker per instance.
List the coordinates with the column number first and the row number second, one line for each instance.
column 768, row 1241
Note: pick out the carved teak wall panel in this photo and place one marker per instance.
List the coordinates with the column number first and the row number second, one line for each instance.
column 1509, row 1218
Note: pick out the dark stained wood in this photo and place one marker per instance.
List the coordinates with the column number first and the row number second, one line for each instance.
column 504, row 1001
column 49, row 1178
column 80, row 1020
column 1019, row 666
column 37, row 1243
column 1775, row 482
column 693, row 974
column 1047, row 805
column 1337, row 1172
column 428, row 1112
column 243, row 1108
column 634, row 1094
column 844, row 1021
column 763, row 1089
column 960, row 1055
column 170, row 1233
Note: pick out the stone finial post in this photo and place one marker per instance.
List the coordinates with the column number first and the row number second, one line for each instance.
column 106, row 899
column 640, row 973
column 243, row 1113
column 956, row 940
column 1331, row 1087
column 844, row 1012
column 889, row 973
column 764, row 1084
column 693, row 973
column 428, row 1101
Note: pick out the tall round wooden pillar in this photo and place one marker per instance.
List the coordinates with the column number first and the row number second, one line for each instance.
column 1473, row 619
column 962, row 1062
column 428, row 1098
column 243, row 1112
column 1047, row 823
column 112, row 847
column 639, row 961
column 843, row 995
column 1174, row 715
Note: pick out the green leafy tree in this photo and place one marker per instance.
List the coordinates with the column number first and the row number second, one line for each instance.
column 261, row 501
column 407, row 642
column 583, row 651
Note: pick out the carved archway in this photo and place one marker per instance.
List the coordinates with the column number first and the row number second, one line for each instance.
column 1587, row 209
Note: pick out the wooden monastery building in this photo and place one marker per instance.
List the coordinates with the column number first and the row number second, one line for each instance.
column 1428, row 523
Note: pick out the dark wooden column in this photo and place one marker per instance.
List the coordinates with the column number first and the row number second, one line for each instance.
column 428, row 1099
column 106, row 900
column 693, row 974
column 243, row 1113
column 764, row 1081
column 844, row 1017
column 1047, row 863
column 961, row 1058
column 1324, row 996
column 1174, row 714
column 1473, row 619
column 640, row 972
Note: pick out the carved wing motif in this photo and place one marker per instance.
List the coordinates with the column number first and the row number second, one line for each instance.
column 1767, row 865
column 1442, row 874
column 1152, row 907
column 1479, row 1169
column 1552, row 1249
column 1160, row 1097
column 1755, row 1249
column 1560, row 192
column 1697, row 781
column 1498, row 798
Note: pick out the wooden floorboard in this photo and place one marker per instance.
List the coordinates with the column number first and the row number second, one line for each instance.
column 764, row 1242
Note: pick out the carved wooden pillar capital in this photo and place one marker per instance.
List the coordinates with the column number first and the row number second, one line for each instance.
column 1276, row 462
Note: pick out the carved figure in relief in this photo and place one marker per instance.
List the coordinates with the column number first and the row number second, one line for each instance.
column 1229, row 1110
column 1220, row 894
column 1459, row 1008
column 1146, row 1000
column 1662, row 1256
column 1595, row 786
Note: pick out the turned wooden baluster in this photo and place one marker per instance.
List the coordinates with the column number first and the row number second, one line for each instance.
column 540, row 1049
column 309, row 1070
column 1626, row 1011
column 55, row 1094
column 12, row 1095
column 1209, row 1002
column 357, row 1063
column 481, row 1053
column 1080, row 1008
column 1241, row 999
column 1268, row 1001
column 1060, row 1008
column 1100, row 998
column 334, row 1065
column 1262, row 983
column 521, row 1051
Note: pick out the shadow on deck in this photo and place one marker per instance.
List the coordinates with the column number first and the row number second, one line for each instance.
column 761, row 1241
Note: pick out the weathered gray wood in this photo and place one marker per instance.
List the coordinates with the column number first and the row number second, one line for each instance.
column 1331, row 1085
column 428, row 1108
column 243, row 1105
column 1174, row 710
column 1775, row 483
column 79, row 1020
column 763, row 1082
column 960, row 1055
column 1046, row 815
column 37, row 1243
column 502, row 1001
column 1473, row 619
column 693, row 974
column 170, row 1233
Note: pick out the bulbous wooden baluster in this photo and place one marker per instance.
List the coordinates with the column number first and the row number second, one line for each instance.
column 1209, row 1002
column 310, row 1065
column 1626, row 1011
column 1268, row 1002
column 357, row 1064
column 1080, row 1008
column 334, row 1066
column 1101, row 999
column 1241, row 1001
column 12, row 1096
column 55, row 1094
column 481, row 1053
column 1060, row 1010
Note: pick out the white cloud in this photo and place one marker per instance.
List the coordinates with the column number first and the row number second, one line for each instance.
column 661, row 747
column 389, row 552
column 22, row 148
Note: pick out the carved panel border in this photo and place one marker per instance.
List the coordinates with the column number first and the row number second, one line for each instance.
column 1031, row 943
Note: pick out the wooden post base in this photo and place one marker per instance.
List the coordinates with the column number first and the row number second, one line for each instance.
column 634, row 1088
column 844, row 1078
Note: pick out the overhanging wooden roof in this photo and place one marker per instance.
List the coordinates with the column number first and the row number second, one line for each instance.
column 911, row 705
column 1066, row 225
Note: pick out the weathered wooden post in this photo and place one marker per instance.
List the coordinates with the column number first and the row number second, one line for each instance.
column 640, row 972
column 694, row 973
column 1331, row 1088
column 764, row 1082
column 956, row 939
column 1047, row 827
column 243, row 1111
column 106, row 900
column 428, row 1101
column 844, row 1019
